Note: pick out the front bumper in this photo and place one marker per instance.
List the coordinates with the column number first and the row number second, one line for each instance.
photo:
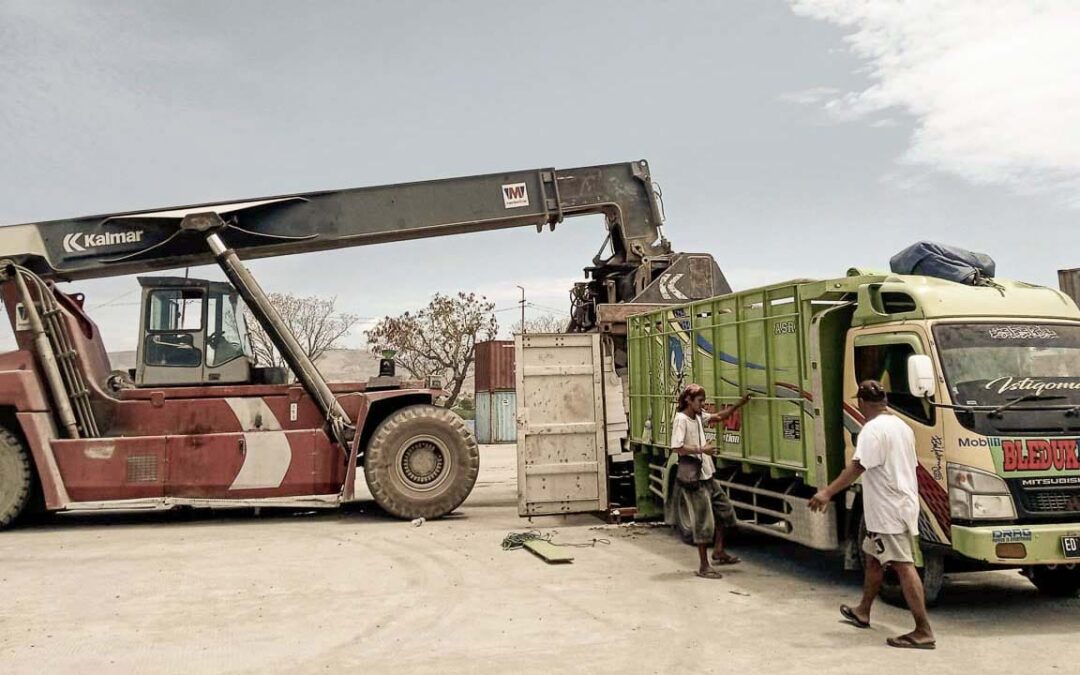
column 1042, row 543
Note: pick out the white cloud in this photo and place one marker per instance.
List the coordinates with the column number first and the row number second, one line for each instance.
column 993, row 85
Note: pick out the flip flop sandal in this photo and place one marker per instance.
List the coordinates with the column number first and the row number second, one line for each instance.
column 908, row 642
column 849, row 614
column 727, row 560
column 711, row 574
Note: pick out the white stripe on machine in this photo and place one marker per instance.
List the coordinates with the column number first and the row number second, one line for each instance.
column 267, row 453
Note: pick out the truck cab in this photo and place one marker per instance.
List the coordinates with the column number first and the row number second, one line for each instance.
column 997, row 424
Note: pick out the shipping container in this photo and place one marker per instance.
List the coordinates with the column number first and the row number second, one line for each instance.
column 494, row 370
column 1069, row 281
column 496, row 416
column 561, row 427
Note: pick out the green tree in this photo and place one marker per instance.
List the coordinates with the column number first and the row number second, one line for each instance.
column 438, row 340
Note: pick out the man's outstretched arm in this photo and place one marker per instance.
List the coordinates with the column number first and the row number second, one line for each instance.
column 718, row 417
column 848, row 476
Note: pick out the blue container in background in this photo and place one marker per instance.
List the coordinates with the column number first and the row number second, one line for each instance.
column 496, row 417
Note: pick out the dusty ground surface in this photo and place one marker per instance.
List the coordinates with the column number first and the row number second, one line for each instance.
column 355, row 590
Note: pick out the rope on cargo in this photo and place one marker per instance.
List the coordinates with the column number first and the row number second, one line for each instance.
column 516, row 540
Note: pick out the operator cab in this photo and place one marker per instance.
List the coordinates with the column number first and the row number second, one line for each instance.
column 193, row 333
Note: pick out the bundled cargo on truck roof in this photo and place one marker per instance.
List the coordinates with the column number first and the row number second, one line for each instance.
column 942, row 261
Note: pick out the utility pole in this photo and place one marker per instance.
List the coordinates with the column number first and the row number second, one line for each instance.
column 522, row 309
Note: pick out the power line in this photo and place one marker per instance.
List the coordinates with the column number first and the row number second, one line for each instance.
column 547, row 309
column 119, row 297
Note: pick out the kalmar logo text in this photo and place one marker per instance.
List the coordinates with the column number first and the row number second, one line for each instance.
column 80, row 241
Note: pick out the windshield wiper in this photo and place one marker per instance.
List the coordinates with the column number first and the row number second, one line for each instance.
column 996, row 412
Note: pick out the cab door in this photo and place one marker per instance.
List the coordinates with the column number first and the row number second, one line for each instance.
column 173, row 337
column 883, row 356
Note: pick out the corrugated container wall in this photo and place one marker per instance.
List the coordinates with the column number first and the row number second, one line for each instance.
column 494, row 368
column 1069, row 281
column 496, row 416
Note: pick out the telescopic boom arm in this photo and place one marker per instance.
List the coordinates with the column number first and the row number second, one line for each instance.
column 142, row 241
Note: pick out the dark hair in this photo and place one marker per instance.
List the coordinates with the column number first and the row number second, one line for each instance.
column 871, row 391
column 692, row 391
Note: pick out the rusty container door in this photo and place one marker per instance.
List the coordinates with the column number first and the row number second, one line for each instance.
column 560, row 424
column 494, row 370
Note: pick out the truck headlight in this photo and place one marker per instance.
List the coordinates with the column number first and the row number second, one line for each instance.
column 978, row 495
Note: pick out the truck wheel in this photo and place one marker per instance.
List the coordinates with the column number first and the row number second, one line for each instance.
column 421, row 462
column 16, row 478
column 932, row 574
column 1059, row 581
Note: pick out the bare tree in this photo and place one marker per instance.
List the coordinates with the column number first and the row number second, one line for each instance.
column 544, row 323
column 315, row 323
column 438, row 340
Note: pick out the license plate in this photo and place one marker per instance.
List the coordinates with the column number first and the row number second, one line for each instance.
column 1070, row 545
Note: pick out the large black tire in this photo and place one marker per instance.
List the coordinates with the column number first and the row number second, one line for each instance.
column 684, row 515
column 16, row 478
column 421, row 462
column 1058, row 581
column 932, row 574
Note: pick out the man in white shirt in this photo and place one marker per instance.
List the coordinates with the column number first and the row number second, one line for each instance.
column 712, row 510
column 885, row 459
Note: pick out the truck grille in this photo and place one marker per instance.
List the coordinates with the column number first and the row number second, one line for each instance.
column 1064, row 500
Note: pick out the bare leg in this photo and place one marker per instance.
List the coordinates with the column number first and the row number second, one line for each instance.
column 916, row 602
column 873, row 576
column 703, row 555
column 718, row 542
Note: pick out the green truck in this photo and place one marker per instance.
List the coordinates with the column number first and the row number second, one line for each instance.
column 987, row 376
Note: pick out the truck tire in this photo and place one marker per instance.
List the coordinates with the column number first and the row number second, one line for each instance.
column 16, row 478
column 932, row 574
column 421, row 462
column 1058, row 581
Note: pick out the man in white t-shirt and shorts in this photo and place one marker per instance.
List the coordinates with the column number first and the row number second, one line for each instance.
column 885, row 459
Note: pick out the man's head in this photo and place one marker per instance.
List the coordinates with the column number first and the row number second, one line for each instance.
column 692, row 399
column 872, row 398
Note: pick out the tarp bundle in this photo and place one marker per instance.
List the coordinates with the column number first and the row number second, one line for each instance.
column 944, row 262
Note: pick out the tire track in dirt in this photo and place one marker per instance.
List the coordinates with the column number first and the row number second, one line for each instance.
column 402, row 615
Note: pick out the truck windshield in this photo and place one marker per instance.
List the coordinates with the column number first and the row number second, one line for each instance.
column 1026, row 366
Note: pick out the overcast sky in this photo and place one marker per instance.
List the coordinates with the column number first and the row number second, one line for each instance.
column 791, row 139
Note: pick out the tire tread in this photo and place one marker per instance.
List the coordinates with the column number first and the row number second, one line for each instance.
column 383, row 493
column 10, row 443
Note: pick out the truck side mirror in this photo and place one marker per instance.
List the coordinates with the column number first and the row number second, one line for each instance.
column 920, row 375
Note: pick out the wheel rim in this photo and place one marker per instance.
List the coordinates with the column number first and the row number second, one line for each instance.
column 423, row 463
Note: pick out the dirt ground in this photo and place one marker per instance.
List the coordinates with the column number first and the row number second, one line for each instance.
column 243, row 593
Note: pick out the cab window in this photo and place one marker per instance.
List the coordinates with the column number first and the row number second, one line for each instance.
column 175, row 317
column 887, row 363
